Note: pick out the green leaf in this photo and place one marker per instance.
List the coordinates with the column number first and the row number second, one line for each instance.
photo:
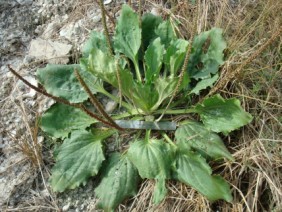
column 203, row 84
column 153, row 160
column 119, row 181
column 194, row 135
column 59, row 80
column 102, row 65
column 143, row 96
column 59, row 120
column 153, row 58
column 127, row 39
column 166, row 33
column 207, row 54
column 220, row 115
column 193, row 170
column 97, row 40
column 165, row 86
column 160, row 190
column 78, row 158
column 150, row 23
column 175, row 55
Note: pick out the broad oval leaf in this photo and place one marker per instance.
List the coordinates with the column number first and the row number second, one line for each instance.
column 165, row 87
column 207, row 54
column 194, row 135
column 193, row 170
column 153, row 59
column 97, row 40
column 144, row 96
column 59, row 120
column 119, row 181
column 175, row 55
column 153, row 160
column 78, row 158
column 127, row 39
column 102, row 65
column 60, row 80
column 222, row 115
column 166, row 33
column 150, row 23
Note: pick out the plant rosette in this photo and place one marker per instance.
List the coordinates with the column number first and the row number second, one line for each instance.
column 145, row 67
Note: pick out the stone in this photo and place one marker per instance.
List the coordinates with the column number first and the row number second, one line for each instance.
column 52, row 51
column 67, row 31
column 51, row 30
column 66, row 207
column 107, row 2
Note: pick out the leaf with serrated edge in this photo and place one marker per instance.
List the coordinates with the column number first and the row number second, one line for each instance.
column 78, row 158
column 203, row 84
column 59, row 120
column 153, row 59
column 127, row 39
column 119, row 181
column 207, row 54
column 196, row 136
column 60, row 80
column 193, row 170
column 222, row 115
column 153, row 160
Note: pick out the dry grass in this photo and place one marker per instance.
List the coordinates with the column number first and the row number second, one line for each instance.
column 251, row 73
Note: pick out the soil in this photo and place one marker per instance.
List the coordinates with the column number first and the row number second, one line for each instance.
column 23, row 185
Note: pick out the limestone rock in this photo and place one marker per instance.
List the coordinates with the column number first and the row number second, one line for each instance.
column 52, row 51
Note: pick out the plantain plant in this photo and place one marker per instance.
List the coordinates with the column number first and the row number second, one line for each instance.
column 148, row 64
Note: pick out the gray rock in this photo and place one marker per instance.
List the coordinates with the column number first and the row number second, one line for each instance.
column 52, row 51
column 66, row 207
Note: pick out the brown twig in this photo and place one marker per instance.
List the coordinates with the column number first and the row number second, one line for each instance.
column 61, row 100
column 222, row 84
column 103, row 11
column 95, row 102
column 184, row 69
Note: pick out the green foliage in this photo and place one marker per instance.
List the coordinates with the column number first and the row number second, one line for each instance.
column 59, row 120
column 207, row 54
column 192, row 169
column 153, row 160
column 144, row 66
column 194, row 136
column 60, row 81
column 97, row 40
column 127, row 39
column 119, row 181
column 153, row 59
column 78, row 158
column 222, row 115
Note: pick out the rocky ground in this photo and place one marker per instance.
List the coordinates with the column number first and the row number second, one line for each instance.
column 36, row 32
column 33, row 33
